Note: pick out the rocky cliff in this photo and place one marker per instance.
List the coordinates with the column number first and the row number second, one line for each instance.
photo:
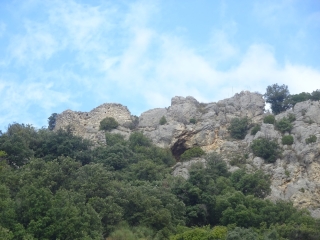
column 295, row 176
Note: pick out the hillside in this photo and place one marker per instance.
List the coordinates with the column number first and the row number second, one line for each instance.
column 224, row 170
column 295, row 174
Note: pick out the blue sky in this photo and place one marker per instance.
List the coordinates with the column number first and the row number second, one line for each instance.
column 77, row 54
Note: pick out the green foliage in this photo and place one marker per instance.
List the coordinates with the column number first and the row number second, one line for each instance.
column 266, row 149
column 284, row 125
column 124, row 190
column 270, row 119
column 3, row 154
column 202, row 233
column 291, row 117
column 315, row 95
column 238, row 127
column 192, row 153
column 287, row 140
column 108, row 124
column 137, row 139
column 162, row 120
column 257, row 184
column 276, row 96
column 238, row 160
column 295, row 98
column 113, row 139
column 242, row 234
column 193, row 121
column 311, row 139
column 255, row 129
column 52, row 121
column 134, row 123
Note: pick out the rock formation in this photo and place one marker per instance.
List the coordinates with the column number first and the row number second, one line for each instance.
column 295, row 176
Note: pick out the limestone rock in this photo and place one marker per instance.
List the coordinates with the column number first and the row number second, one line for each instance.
column 295, row 176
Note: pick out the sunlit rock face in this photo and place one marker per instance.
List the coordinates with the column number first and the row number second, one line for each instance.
column 295, row 176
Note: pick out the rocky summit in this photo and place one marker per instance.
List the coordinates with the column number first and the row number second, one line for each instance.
column 187, row 123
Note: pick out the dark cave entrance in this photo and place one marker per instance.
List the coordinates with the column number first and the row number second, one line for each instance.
column 178, row 148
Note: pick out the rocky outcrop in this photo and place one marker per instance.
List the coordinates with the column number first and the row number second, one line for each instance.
column 295, row 176
column 86, row 124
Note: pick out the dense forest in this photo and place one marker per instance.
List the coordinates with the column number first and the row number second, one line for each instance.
column 55, row 185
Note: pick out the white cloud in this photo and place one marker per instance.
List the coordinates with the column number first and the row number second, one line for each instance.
column 111, row 54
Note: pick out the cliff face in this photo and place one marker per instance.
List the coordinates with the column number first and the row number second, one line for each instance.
column 295, row 176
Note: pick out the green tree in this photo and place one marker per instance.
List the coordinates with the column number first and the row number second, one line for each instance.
column 295, row 98
column 257, row 183
column 238, row 127
column 276, row 96
column 315, row 95
column 52, row 121
column 266, row 149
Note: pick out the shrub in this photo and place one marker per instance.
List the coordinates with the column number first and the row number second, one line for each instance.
column 163, row 120
column 291, row 117
column 193, row 121
column 287, row 140
column 311, row 139
column 284, row 125
column 238, row 127
column 113, row 139
column 255, row 129
column 108, row 123
column 270, row 119
column 191, row 153
column 266, row 149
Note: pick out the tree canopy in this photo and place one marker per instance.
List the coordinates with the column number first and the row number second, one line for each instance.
column 54, row 185
column 276, row 96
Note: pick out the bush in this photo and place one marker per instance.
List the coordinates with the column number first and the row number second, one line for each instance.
column 311, row 139
column 291, row 117
column 163, row 120
column 113, row 139
column 238, row 127
column 193, row 121
column 266, row 149
column 257, row 183
column 284, row 125
column 191, row 153
column 255, row 129
column 287, row 140
column 108, row 124
column 270, row 119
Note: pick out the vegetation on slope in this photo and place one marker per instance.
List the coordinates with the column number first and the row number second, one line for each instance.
column 54, row 185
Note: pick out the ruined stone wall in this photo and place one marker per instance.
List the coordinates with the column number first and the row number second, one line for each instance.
column 86, row 124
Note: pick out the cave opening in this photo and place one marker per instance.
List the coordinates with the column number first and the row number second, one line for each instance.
column 178, row 148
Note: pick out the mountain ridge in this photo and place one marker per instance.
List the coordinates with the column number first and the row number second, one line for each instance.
column 295, row 175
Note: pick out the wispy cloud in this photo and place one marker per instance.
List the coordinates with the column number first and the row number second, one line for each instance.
column 82, row 55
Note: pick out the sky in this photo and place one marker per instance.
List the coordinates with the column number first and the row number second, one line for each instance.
column 77, row 54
